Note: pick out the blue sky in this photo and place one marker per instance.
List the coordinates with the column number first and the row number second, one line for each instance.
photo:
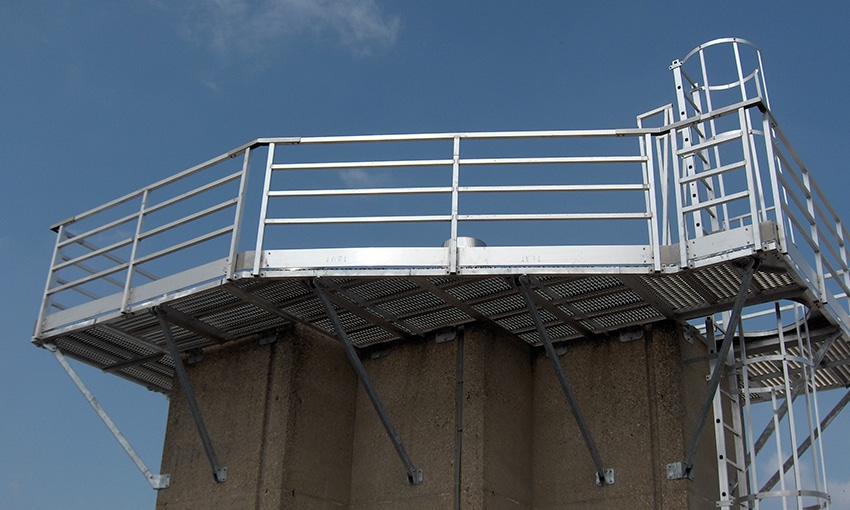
column 98, row 98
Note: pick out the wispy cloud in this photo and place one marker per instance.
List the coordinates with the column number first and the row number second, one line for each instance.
column 250, row 26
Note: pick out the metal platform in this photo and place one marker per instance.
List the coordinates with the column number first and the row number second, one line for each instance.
column 379, row 309
column 607, row 231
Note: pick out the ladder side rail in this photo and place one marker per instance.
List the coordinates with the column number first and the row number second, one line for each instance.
column 809, row 383
column 711, row 187
column 715, row 149
column 752, row 479
column 787, row 391
column 687, row 162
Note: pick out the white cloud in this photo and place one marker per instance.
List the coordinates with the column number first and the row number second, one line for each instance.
column 253, row 26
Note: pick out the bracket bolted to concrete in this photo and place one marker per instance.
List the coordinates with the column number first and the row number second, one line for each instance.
column 604, row 476
column 414, row 474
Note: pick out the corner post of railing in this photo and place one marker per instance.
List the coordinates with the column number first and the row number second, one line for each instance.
column 453, row 262
column 131, row 262
column 680, row 204
column 47, row 298
column 651, row 204
column 261, row 229
column 751, row 169
column 237, row 219
column 773, row 168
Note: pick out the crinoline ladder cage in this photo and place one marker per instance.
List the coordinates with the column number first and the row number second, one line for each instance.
column 707, row 211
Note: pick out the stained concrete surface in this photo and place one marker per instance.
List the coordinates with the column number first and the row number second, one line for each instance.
column 297, row 431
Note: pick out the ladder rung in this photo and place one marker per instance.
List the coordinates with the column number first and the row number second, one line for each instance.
column 711, row 142
column 733, row 464
column 731, row 429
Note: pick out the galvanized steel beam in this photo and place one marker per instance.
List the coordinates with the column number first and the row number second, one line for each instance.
column 219, row 471
column 156, row 482
column 684, row 469
column 604, row 476
column 414, row 474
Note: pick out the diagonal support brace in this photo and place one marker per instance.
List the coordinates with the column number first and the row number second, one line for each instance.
column 604, row 476
column 219, row 471
column 685, row 468
column 157, row 482
column 414, row 474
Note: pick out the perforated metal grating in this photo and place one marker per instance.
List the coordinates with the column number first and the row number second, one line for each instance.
column 376, row 310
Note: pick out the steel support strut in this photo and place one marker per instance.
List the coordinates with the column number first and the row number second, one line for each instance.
column 219, row 472
column 604, row 476
column 684, row 469
column 156, row 481
column 414, row 474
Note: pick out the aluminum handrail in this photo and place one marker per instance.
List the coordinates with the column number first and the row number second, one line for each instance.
column 823, row 234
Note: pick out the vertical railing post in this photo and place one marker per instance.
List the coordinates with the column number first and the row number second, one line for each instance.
column 453, row 262
column 773, row 169
column 47, row 298
column 750, row 170
column 651, row 204
column 261, row 229
column 813, row 231
column 237, row 219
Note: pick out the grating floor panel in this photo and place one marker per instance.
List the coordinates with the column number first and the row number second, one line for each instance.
column 377, row 310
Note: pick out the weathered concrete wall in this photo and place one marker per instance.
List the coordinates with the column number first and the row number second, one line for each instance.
column 640, row 403
column 296, row 430
column 497, row 421
column 416, row 383
column 280, row 417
